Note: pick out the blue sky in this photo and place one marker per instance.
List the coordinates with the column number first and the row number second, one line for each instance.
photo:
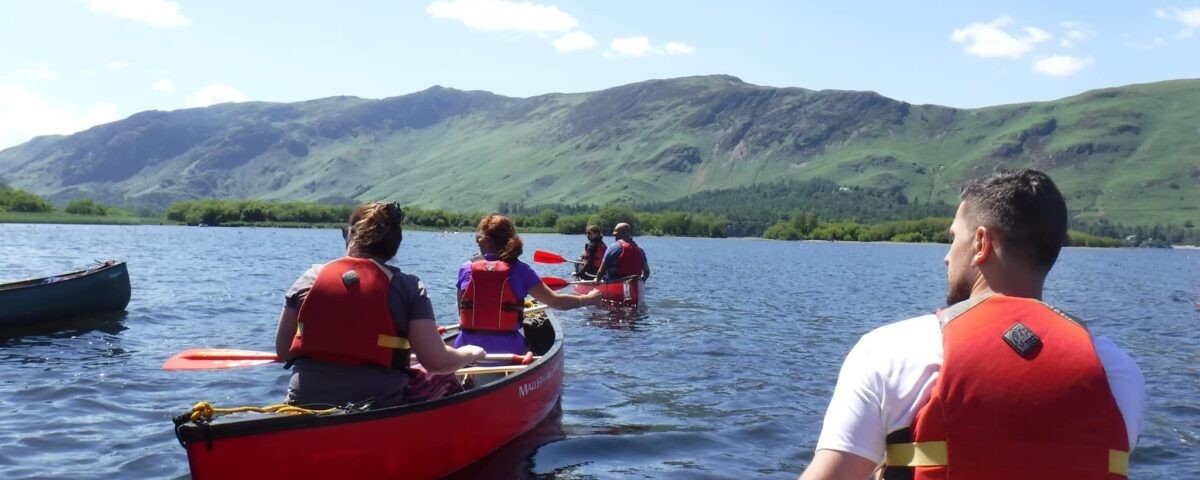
column 66, row 65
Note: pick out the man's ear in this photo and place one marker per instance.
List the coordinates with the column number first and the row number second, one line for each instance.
column 983, row 246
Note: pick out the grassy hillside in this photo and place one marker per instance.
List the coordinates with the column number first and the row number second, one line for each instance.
column 1129, row 155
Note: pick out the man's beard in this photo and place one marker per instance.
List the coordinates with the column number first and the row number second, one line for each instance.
column 957, row 292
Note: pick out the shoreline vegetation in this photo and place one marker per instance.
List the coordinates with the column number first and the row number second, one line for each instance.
column 749, row 219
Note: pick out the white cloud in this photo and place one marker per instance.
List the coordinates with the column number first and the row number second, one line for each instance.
column 156, row 13
column 574, row 41
column 163, row 86
column 1060, row 65
column 679, row 48
column 631, row 46
column 118, row 65
column 214, row 94
column 25, row 113
column 504, row 15
column 990, row 40
column 1190, row 19
column 1076, row 32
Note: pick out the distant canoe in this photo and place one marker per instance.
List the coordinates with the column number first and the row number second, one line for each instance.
column 27, row 303
column 626, row 292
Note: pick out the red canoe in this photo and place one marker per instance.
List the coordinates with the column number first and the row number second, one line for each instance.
column 422, row 440
column 626, row 291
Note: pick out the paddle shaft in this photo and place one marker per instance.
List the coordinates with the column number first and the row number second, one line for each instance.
column 542, row 256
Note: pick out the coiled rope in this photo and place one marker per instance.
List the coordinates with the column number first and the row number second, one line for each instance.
column 204, row 411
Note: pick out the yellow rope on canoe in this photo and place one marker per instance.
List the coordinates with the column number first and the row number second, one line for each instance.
column 204, row 411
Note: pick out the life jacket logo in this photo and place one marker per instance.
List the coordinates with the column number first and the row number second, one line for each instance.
column 490, row 266
column 1023, row 340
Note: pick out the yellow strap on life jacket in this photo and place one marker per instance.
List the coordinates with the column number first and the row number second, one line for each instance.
column 932, row 454
column 922, row 454
column 1118, row 462
column 388, row 341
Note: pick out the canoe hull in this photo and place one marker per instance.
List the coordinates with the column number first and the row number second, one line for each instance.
column 424, row 440
column 626, row 292
column 30, row 302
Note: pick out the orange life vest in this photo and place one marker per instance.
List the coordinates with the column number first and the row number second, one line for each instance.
column 488, row 302
column 594, row 260
column 345, row 317
column 1021, row 394
column 629, row 261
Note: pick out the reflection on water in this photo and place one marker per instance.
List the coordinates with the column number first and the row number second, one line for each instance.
column 616, row 317
column 725, row 372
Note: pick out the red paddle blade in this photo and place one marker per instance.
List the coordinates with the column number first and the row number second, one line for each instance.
column 216, row 358
column 555, row 283
column 542, row 256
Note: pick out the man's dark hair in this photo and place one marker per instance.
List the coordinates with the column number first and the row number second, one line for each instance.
column 1025, row 209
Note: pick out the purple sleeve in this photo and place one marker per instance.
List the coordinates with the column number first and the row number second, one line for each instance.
column 523, row 278
column 464, row 275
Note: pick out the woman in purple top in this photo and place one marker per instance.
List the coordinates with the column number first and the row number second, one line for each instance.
column 498, row 241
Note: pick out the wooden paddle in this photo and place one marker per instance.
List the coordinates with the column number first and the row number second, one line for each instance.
column 542, row 256
column 217, row 358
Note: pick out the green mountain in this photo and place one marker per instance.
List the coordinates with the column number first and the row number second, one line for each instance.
column 1128, row 154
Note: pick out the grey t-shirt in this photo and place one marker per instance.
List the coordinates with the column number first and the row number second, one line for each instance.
column 320, row 383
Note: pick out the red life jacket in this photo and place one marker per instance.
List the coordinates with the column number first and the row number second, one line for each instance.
column 629, row 261
column 597, row 256
column 488, row 302
column 345, row 317
column 997, row 413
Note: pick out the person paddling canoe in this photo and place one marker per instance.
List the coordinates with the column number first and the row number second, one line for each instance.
column 624, row 257
column 493, row 287
column 335, row 361
column 593, row 254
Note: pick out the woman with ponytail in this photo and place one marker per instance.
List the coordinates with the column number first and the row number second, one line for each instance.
column 348, row 326
column 492, row 290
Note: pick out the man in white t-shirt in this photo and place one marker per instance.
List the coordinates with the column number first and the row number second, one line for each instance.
column 998, row 384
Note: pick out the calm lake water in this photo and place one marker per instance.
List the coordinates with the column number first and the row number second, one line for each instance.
column 726, row 374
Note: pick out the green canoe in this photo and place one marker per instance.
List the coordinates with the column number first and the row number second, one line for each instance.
column 28, row 303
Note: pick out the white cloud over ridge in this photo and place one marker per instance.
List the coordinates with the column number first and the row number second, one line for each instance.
column 26, row 113
column 504, row 15
column 214, row 94
column 156, row 13
column 631, row 46
column 679, row 48
column 1060, row 65
column 574, row 41
column 991, row 40
column 640, row 46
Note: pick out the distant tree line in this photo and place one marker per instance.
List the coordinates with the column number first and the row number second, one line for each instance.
column 244, row 212
column 822, row 209
column 749, row 211
column 794, row 210
column 13, row 200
